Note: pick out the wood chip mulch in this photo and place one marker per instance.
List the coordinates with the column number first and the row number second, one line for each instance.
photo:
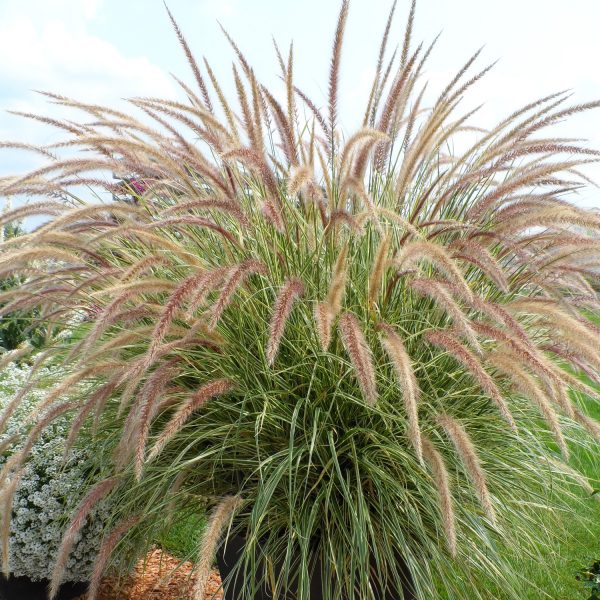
column 158, row 577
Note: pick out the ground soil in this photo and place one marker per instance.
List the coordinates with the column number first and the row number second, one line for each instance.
column 158, row 577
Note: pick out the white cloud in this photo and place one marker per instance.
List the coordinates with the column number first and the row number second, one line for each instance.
column 71, row 61
column 40, row 51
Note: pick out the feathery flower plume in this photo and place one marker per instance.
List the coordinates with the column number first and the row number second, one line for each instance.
column 559, row 392
column 394, row 217
column 289, row 82
column 103, row 320
column 292, row 289
column 360, row 356
column 243, row 100
column 236, row 275
column 397, row 95
column 128, row 288
column 151, row 392
column 238, row 52
column 14, row 355
column 357, row 186
column 6, row 503
column 97, row 493
column 446, row 341
column 142, row 266
column 76, row 215
column 272, row 213
column 575, row 328
column 175, row 302
column 231, row 120
column 418, row 250
column 256, row 163
column 299, row 176
column 468, row 455
column 98, row 397
column 42, row 252
column 343, row 216
column 379, row 264
column 327, row 311
column 36, row 208
column 334, row 71
column 315, row 111
column 441, row 478
column 524, row 353
column 70, row 382
column 285, row 128
column 107, row 546
column 196, row 222
column 407, row 380
column 592, row 426
column 211, row 536
column 365, row 135
column 337, row 287
column 479, row 256
column 435, row 289
column 375, row 87
column 191, row 61
column 579, row 362
column 226, row 206
column 7, row 442
column 408, row 34
column 205, row 393
column 210, row 282
column 497, row 313
column 324, row 321
column 258, row 142
column 153, row 241
column 508, row 363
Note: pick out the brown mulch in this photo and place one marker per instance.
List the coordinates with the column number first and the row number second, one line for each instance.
column 158, row 577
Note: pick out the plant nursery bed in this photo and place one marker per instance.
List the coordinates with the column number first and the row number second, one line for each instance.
column 159, row 576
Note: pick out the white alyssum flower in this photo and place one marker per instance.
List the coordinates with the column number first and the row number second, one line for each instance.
column 49, row 492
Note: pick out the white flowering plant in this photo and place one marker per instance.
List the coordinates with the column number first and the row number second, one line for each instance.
column 49, row 490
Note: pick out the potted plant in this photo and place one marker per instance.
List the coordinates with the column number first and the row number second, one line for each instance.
column 360, row 349
column 48, row 492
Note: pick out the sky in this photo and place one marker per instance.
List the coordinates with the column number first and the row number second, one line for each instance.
column 107, row 50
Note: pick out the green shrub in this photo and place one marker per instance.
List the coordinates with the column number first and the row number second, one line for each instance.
column 591, row 580
column 18, row 327
column 357, row 345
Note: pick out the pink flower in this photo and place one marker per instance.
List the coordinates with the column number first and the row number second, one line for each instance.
column 138, row 186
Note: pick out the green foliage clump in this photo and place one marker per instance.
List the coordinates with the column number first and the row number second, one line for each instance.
column 591, row 580
column 17, row 327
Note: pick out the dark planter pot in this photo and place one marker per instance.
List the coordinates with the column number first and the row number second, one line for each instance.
column 231, row 550
column 23, row 588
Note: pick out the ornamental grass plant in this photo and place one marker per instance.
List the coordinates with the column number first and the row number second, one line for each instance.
column 355, row 347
